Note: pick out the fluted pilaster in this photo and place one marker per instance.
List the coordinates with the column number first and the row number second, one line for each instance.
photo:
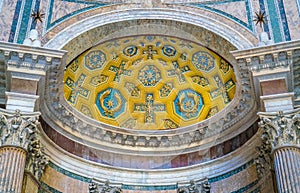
column 12, row 169
column 281, row 134
column 287, row 167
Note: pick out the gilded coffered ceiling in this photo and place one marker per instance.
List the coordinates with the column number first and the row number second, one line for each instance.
column 149, row 82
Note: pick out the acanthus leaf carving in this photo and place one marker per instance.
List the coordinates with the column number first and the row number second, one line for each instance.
column 17, row 129
column 264, row 160
column 21, row 130
column 36, row 160
column 277, row 130
column 282, row 129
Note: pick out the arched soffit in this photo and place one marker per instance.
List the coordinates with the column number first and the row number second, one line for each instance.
column 239, row 36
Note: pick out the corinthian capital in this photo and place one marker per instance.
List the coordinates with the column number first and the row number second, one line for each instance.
column 17, row 129
column 282, row 129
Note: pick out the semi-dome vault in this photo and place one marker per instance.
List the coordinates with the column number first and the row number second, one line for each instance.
column 149, row 82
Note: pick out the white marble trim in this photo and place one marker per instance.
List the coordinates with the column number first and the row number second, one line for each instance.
column 1, row 3
column 298, row 6
column 220, row 28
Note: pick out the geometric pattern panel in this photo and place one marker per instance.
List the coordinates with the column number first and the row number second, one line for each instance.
column 110, row 103
column 149, row 82
column 188, row 104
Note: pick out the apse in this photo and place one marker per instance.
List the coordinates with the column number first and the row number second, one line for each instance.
column 149, row 82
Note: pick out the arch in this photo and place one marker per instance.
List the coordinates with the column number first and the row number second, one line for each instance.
column 237, row 35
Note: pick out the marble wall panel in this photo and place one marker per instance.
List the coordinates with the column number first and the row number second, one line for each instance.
column 61, row 180
column 63, row 8
column 237, row 9
column 274, row 87
column 292, row 11
column 149, row 162
column 242, row 179
column 9, row 12
column 283, row 16
column 31, row 186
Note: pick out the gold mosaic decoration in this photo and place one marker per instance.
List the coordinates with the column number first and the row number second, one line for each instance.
column 149, row 82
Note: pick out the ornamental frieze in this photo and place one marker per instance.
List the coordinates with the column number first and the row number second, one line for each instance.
column 193, row 187
column 103, row 188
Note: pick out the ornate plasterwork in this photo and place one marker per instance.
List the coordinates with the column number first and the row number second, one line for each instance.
column 62, row 115
column 277, row 61
column 37, row 160
column 193, row 187
column 174, row 24
column 181, row 90
column 264, row 159
column 103, row 188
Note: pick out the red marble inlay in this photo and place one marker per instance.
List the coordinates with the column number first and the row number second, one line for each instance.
column 273, row 87
column 146, row 162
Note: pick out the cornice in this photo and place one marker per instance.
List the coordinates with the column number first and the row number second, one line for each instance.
column 6, row 47
column 268, row 49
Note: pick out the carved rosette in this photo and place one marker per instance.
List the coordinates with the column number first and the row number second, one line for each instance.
column 103, row 188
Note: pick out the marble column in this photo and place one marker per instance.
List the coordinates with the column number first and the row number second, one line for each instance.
column 12, row 168
column 287, row 168
column 281, row 132
column 17, row 132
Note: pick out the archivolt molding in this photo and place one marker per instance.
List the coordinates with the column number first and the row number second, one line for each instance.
column 240, row 37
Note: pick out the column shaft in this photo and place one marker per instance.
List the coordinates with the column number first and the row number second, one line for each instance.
column 287, row 168
column 12, row 169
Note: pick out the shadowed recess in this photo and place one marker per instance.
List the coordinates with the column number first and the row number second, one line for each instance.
column 149, row 82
